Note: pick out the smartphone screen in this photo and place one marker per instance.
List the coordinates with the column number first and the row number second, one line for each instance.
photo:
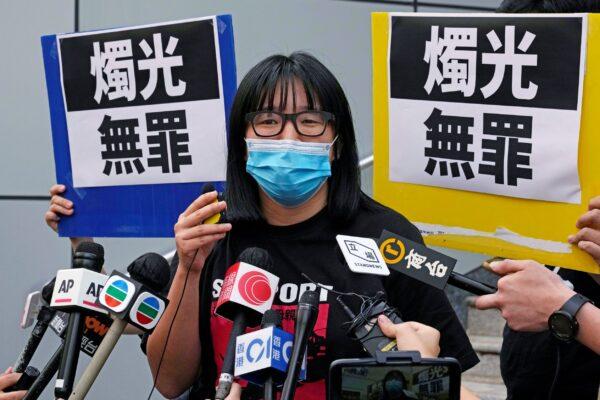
column 395, row 382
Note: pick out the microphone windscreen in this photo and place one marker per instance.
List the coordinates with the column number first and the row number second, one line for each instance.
column 152, row 270
column 271, row 318
column 47, row 291
column 208, row 187
column 310, row 297
column 90, row 247
column 258, row 257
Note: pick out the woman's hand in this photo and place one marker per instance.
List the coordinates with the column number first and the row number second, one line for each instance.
column 192, row 236
column 7, row 379
column 60, row 206
column 412, row 336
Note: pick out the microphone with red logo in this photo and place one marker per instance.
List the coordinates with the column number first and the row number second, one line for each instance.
column 247, row 293
column 86, row 265
column 306, row 317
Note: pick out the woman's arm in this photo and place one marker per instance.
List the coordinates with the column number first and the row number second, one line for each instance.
column 181, row 355
column 181, row 360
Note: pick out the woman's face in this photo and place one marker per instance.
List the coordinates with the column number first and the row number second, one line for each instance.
column 289, row 132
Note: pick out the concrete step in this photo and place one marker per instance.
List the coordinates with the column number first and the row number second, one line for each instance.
column 488, row 369
column 483, row 322
column 486, row 391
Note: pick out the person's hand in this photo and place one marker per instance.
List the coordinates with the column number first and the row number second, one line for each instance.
column 7, row 379
column 235, row 393
column 191, row 235
column 527, row 294
column 588, row 237
column 60, row 206
column 411, row 336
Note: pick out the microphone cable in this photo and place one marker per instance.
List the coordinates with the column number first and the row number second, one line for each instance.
column 364, row 316
column 162, row 355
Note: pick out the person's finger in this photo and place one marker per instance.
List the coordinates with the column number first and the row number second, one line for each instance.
column 55, row 208
column 487, row 301
column 203, row 230
column 594, row 203
column 13, row 395
column 426, row 329
column 507, row 266
column 200, row 215
column 590, row 219
column 56, row 189
column 585, row 234
column 194, row 244
column 8, row 370
column 200, row 202
column 388, row 328
column 8, row 380
column 234, row 394
column 61, row 201
column 591, row 248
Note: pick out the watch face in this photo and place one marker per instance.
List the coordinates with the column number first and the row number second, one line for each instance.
column 561, row 326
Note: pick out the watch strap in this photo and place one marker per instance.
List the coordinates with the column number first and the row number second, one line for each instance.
column 573, row 305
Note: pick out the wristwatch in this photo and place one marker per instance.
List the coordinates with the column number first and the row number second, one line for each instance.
column 562, row 323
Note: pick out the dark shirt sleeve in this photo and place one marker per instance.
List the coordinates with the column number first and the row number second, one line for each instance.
column 419, row 302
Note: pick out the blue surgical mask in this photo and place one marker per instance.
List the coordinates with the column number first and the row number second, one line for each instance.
column 290, row 172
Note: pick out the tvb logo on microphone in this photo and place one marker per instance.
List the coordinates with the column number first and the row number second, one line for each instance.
column 129, row 300
column 264, row 352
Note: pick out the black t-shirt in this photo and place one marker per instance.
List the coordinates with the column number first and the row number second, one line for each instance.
column 528, row 360
column 310, row 247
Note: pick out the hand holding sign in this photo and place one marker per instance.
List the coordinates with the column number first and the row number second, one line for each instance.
column 195, row 240
column 588, row 237
column 60, row 206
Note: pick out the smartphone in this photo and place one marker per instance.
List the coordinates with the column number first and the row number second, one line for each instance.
column 395, row 378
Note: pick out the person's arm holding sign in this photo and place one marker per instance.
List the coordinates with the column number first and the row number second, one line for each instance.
column 528, row 294
column 194, row 241
column 588, row 237
column 60, row 206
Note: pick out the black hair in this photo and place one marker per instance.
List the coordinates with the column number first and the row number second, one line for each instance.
column 549, row 6
column 274, row 76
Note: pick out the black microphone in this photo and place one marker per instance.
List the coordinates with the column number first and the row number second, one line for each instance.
column 88, row 255
column 251, row 279
column 271, row 319
column 306, row 317
column 44, row 317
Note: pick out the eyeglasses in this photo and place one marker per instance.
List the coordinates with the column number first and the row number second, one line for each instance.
column 307, row 123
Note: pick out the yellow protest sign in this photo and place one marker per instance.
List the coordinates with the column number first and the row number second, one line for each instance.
column 470, row 201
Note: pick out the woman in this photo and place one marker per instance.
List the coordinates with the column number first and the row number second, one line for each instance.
column 293, row 184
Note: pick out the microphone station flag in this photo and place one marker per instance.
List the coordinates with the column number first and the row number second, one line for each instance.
column 415, row 260
column 77, row 288
column 265, row 352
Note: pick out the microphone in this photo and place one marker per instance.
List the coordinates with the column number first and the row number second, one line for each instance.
column 247, row 293
column 271, row 319
column 86, row 265
column 306, row 317
column 426, row 265
column 44, row 318
column 132, row 300
column 262, row 356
